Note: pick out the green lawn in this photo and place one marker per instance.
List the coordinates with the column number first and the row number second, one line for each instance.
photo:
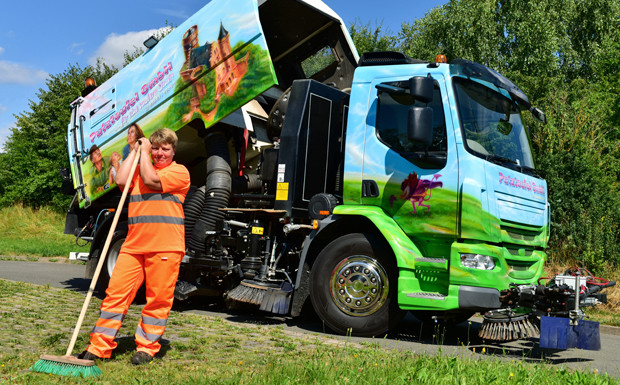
column 28, row 232
column 209, row 350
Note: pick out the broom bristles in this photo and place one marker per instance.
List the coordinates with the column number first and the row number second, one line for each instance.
column 66, row 366
column 509, row 329
column 247, row 292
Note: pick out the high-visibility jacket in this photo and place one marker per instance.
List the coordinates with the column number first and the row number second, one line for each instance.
column 156, row 217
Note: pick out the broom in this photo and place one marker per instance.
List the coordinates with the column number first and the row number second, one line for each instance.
column 252, row 291
column 502, row 327
column 68, row 365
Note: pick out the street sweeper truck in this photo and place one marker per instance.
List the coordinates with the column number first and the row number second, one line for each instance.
column 365, row 186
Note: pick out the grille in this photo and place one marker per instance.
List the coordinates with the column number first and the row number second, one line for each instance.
column 520, row 265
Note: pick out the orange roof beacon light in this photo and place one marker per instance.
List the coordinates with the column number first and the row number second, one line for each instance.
column 90, row 86
column 441, row 59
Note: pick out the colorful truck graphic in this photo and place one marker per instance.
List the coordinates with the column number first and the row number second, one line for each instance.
column 194, row 73
column 417, row 191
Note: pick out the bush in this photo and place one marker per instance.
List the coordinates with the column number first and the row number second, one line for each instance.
column 578, row 157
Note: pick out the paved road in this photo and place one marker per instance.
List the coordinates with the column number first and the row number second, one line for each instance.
column 460, row 340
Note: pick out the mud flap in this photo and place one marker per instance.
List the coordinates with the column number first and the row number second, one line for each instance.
column 558, row 333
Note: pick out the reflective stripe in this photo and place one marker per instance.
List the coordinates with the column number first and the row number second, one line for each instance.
column 105, row 331
column 154, row 197
column 147, row 336
column 112, row 316
column 156, row 219
column 154, row 321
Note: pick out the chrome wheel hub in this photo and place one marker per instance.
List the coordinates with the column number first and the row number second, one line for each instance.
column 359, row 285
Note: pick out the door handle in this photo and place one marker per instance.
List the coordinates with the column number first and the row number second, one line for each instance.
column 370, row 189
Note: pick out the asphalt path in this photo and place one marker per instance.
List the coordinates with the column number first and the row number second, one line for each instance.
column 460, row 340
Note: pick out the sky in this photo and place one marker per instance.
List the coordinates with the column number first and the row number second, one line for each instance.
column 39, row 38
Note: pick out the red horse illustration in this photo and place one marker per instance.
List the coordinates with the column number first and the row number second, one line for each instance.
column 418, row 190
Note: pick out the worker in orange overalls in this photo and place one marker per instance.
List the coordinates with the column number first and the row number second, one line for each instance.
column 152, row 251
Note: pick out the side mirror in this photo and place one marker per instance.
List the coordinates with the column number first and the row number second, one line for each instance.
column 539, row 115
column 67, row 182
column 520, row 97
column 420, row 125
column 421, row 88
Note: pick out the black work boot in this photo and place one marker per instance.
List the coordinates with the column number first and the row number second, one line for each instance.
column 141, row 358
column 86, row 355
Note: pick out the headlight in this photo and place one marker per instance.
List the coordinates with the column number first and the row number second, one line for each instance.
column 477, row 261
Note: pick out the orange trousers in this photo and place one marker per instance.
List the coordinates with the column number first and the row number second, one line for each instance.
column 159, row 271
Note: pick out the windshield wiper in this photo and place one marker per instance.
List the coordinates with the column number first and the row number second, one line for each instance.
column 498, row 159
column 503, row 161
column 531, row 171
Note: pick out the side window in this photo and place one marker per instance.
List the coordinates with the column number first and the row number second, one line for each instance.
column 392, row 115
column 318, row 61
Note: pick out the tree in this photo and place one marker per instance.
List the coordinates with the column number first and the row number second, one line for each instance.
column 459, row 29
column 537, row 43
column 580, row 163
column 371, row 39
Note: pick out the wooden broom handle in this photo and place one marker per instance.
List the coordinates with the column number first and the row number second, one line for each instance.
column 103, row 255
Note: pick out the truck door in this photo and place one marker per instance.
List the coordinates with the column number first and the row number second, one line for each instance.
column 414, row 185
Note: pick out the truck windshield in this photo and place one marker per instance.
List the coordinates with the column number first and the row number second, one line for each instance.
column 491, row 126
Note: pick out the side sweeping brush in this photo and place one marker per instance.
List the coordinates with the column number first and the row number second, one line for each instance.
column 501, row 326
column 249, row 291
column 269, row 297
column 68, row 365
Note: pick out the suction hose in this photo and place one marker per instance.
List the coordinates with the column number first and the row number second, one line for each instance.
column 192, row 207
column 217, row 190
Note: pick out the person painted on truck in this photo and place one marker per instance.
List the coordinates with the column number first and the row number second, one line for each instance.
column 134, row 133
column 98, row 171
column 115, row 164
column 152, row 251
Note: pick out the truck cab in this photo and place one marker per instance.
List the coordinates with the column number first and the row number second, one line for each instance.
column 470, row 210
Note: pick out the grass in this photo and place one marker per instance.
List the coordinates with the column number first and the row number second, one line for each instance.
column 34, row 233
column 208, row 350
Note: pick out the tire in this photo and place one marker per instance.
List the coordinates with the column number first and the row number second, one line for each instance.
column 353, row 286
column 108, row 266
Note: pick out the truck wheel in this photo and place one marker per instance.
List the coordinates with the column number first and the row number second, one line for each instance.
column 108, row 266
column 353, row 286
